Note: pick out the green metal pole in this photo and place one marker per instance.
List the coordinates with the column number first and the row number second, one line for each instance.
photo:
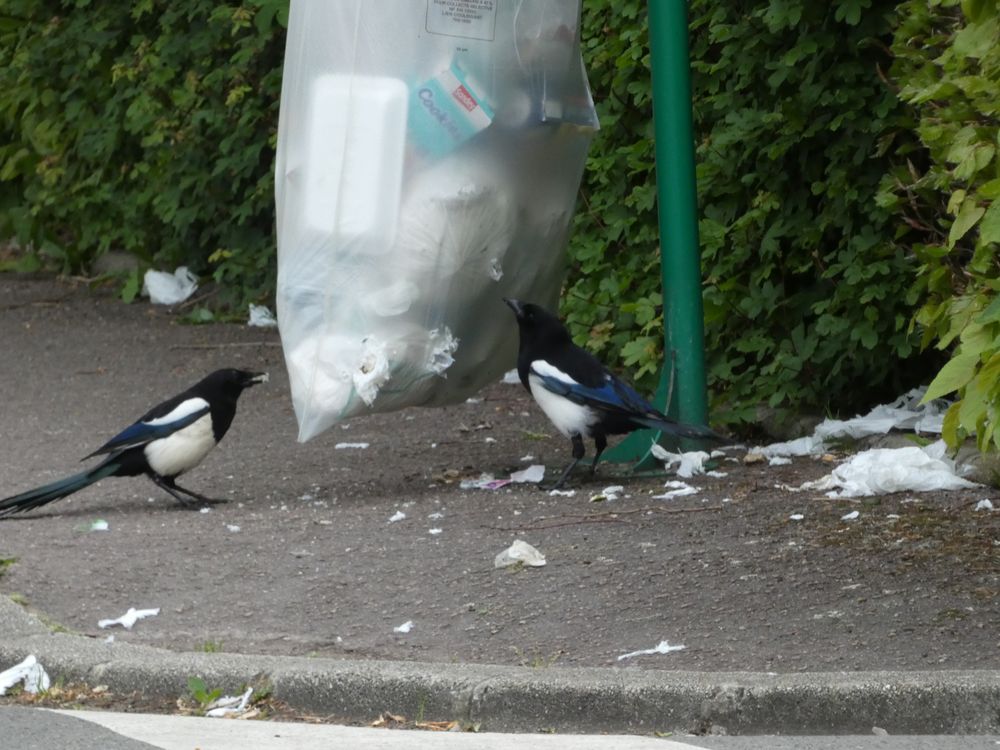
column 682, row 377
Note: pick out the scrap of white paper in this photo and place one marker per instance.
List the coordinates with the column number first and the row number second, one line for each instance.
column 884, row 470
column 534, row 474
column 984, row 505
column 406, row 627
column 688, row 464
column 397, row 516
column 261, row 317
column 30, row 672
column 349, row 446
column 130, row 618
column 905, row 413
column 169, row 288
column 663, row 647
column 230, row 705
column 676, row 489
column 519, row 552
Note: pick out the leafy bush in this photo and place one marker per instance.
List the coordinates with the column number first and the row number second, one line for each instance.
column 150, row 131
column 809, row 289
column 948, row 62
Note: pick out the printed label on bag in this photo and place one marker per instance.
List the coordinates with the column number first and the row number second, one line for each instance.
column 471, row 19
column 446, row 111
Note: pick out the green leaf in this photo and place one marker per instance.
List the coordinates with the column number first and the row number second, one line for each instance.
column 989, row 227
column 950, row 425
column 954, row 375
column 130, row 289
column 968, row 215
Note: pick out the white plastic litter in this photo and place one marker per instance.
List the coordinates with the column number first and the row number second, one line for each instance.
column 99, row 525
column 986, row 504
column 562, row 493
column 130, row 618
column 434, row 532
column 30, row 672
column 796, row 517
column 519, row 552
column 428, row 161
column 169, row 288
column 533, row 474
column 688, row 464
column 511, row 377
column 230, row 705
column 884, row 470
column 232, row 527
column 350, row 446
column 397, row 516
column 663, row 647
column 608, row 494
column 676, row 489
column 852, row 516
column 406, row 627
column 905, row 413
column 261, row 317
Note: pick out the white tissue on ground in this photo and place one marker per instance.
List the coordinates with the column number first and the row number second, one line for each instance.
column 130, row 618
column 534, row 474
column 229, row 705
column 881, row 471
column 261, row 317
column 519, row 552
column 29, row 672
column 406, row 627
column 169, row 288
column 663, row 647
column 688, row 464
column 905, row 413
column 676, row 489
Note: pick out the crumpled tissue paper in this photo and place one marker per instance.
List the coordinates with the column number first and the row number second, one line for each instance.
column 30, row 672
column 881, row 471
column 169, row 288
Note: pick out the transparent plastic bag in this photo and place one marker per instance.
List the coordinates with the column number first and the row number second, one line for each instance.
column 429, row 157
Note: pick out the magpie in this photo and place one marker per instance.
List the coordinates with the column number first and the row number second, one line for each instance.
column 168, row 440
column 578, row 394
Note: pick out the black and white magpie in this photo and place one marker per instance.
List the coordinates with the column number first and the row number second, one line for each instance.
column 168, row 440
column 578, row 394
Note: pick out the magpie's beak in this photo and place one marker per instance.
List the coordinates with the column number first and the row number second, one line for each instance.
column 516, row 306
column 254, row 378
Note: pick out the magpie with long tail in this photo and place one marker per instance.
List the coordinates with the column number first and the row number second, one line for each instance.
column 165, row 442
column 578, row 394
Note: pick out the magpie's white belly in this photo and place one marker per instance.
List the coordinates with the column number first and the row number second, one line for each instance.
column 183, row 450
column 569, row 418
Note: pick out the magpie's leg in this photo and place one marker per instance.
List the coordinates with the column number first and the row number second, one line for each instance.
column 600, row 442
column 174, row 489
column 200, row 498
column 578, row 451
column 168, row 486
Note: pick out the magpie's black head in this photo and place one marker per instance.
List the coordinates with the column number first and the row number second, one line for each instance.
column 233, row 381
column 536, row 323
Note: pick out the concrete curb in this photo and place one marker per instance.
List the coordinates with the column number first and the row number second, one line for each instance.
column 520, row 699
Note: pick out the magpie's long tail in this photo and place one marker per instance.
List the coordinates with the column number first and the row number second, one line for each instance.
column 47, row 493
column 680, row 429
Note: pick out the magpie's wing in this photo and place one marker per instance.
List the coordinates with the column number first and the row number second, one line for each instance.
column 164, row 420
column 611, row 394
column 614, row 398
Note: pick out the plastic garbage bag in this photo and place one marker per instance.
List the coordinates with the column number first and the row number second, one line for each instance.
column 429, row 157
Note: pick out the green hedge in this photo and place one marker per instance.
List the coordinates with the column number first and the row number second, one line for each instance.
column 821, row 188
column 948, row 66
column 146, row 127
column 809, row 292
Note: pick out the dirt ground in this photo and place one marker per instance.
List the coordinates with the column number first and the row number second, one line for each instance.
column 305, row 560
